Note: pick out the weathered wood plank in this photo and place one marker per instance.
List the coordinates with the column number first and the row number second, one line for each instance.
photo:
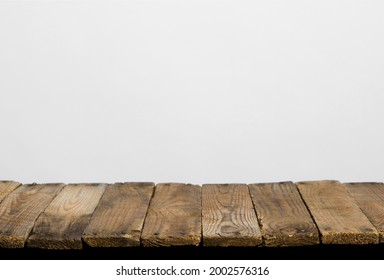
column 20, row 209
column 283, row 216
column 6, row 187
column 118, row 219
column 370, row 198
column 336, row 214
column 64, row 220
column 228, row 216
column 174, row 216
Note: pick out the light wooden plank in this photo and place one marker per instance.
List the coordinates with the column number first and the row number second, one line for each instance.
column 20, row 209
column 118, row 219
column 174, row 216
column 228, row 216
column 283, row 216
column 6, row 187
column 370, row 198
column 63, row 222
column 336, row 214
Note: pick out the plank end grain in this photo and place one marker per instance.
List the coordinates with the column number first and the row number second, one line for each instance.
column 228, row 216
column 367, row 236
column 12, row 242
column 112, row 241
column 173, row 217
column 369, row 197
column 118, row 219
column 336, row 214
column 232, row 241
column 284, row 219
column 175, row 239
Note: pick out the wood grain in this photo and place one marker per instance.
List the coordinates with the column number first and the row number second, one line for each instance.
column 6, row 187
column 174, row 216
column 283, row 216
column 336, row 214
column 20, row 209
column 228, row 216
column 63, row 222
column 118, row 219
column 370, row 198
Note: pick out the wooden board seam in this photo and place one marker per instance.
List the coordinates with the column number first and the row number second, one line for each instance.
column 10, row 181
column 354, row 199
column 34, row 223
column 257, row 217
column 91, row 216
column 146, row 213
column 356, row 202
column 310, row 213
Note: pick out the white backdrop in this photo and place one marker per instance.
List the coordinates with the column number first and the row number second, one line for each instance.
column 191, row 91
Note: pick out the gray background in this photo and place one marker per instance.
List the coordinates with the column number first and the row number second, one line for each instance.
column 191, row 91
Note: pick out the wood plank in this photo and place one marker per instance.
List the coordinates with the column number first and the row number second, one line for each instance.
column 118, row 219
column 283, row 216
column 20, row 209
column 6, row 187
column 336, row 214
column 228, row 216
column 63, row 222
column 174, row 216
column 370, row 198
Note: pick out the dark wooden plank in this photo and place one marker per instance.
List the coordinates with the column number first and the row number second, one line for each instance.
column 64, row 220
column 336, row 214
column 118, row 219
column 6, row 187
column 174, row 216
column 228, row 216
column 283, row 216
column 370, row 198
column 20, row 209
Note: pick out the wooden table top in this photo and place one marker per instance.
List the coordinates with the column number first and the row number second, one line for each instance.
column 67, row 216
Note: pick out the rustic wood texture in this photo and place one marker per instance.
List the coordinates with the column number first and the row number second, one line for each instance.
column 228, row 216
column 283, row 216
column 64, row 220
column 118, row 219
column 336, row 214
column 174, row 216
column 6, row 187
column 58, row 216
column 20, row 209
column 370, row 198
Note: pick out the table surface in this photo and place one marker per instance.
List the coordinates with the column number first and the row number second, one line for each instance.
column 132, row 214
